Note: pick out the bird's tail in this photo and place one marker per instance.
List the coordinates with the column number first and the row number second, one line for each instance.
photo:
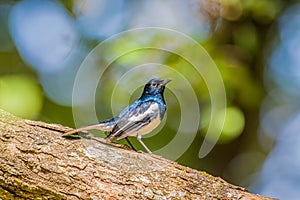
column 106, row 125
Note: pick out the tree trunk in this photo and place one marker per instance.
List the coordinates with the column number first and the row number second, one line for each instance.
column 37, row 163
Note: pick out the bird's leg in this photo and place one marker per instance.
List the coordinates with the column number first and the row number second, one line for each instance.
column 139, row 138
column 130, row 144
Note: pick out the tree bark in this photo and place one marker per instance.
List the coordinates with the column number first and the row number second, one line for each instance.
column 37, row 163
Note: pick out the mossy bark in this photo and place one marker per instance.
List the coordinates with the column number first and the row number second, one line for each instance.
column 37, row 163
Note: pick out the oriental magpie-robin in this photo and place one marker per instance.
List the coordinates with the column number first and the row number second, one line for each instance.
column 137, row 119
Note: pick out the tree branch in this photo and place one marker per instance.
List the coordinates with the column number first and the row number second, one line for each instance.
column 36, row 162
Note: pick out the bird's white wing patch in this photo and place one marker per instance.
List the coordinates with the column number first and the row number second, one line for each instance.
column 142, row 129
column 140, row 116
column 142, row 121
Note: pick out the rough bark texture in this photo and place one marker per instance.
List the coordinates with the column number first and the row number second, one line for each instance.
column 37, row 163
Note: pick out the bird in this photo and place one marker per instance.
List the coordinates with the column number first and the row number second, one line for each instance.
column 139, row 118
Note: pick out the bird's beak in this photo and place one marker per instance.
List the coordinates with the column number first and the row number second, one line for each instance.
column 164, row 82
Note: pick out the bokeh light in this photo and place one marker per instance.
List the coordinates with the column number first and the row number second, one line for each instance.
column 176, row 14
column 44, row 34
column 279, row 175
column 280, row 111
column 233, row 126
column 100, row 19
column 21, row 96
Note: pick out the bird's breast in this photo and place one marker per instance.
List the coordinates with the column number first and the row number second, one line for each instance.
column 152, row 112
column 151, row 126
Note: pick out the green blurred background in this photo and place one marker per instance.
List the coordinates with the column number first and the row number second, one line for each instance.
column 43, row 43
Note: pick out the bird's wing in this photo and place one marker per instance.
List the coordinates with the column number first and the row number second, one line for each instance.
column 136, row 116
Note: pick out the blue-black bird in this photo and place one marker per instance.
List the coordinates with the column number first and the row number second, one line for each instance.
column 137, row 119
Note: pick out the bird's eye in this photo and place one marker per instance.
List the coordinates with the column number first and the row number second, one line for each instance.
column 154, row 85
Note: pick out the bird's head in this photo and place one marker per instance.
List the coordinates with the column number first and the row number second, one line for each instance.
column 155, row 86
